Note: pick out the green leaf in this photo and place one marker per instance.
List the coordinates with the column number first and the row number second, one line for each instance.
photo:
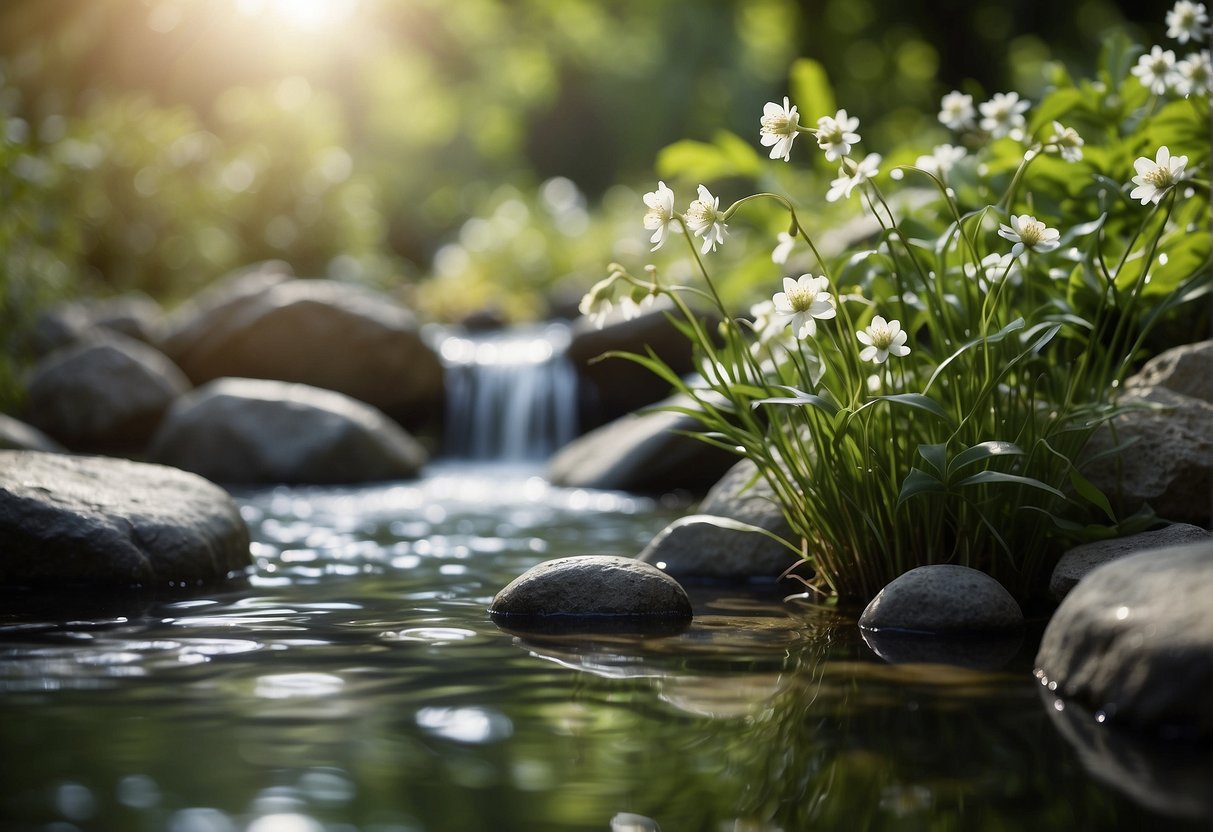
column 936, row 456
column 810, row 399
column 1018, row 323
column 1117, row 56
column 996, row 477
column 696, row 161
column 919, row 482
column 1082, row 230
column 800, row 397
column 1087, row 490
column 1053, row 108
column 811, row 91
column 918, row 401
column 982, row 451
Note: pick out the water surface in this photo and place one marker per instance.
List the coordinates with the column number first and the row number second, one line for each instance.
column 357, row 685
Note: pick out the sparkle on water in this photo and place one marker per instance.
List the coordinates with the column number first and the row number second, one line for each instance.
column 356, row 684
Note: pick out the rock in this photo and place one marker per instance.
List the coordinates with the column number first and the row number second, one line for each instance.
column 1134, row 641
column 106, row 393
column 1169, row 464
column 617, row 386
column 1080, row 560
column 696, row 547
column 69, row 521
column 943, row 599
column 327, row 334
column 1187, row 369
column 692, row 548
column 596, row 592
column 16, row 435
column 643, row 453
column 192, row 320
column 132, row 314
column 257, row 431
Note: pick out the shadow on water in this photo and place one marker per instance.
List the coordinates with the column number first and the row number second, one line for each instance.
column 357, row 683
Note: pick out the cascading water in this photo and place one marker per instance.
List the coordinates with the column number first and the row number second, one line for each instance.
column 511, row 395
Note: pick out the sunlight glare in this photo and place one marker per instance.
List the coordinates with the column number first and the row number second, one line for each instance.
column 309, row 15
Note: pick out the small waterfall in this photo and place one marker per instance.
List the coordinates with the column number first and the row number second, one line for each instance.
column 510, row 395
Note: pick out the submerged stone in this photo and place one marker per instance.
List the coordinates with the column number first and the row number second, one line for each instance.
column 71, row 521
column 943, row 599
column 600, row 593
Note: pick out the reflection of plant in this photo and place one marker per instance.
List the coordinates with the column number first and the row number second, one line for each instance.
column 935, row 390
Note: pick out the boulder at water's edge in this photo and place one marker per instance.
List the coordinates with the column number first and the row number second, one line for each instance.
column 1133, row 641
column 77, row 521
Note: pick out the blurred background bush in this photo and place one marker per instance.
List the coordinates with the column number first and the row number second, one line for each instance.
column 469, row 155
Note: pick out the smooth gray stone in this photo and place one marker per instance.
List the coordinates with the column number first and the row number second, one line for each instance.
column 324, row 333
column 1134, row 641
column 599, row 592
column 104, row 393
column 16, row 435
column 1077, row 562
column 250, row 431
column 70, row 521
column 943, row 599
column 646, row 453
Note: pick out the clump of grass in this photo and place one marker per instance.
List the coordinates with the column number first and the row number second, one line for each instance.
column 926, row 396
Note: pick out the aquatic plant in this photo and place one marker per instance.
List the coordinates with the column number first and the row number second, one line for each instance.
column 926, row 395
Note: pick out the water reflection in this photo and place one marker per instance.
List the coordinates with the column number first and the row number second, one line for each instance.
column 358, row 685
column 1172, row 778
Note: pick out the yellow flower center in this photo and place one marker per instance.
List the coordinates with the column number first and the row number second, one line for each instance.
column 881, row 335
column 800, row 298
column 1159, row 177
column 1031, row 232
column 700, row 213
column 780, row 124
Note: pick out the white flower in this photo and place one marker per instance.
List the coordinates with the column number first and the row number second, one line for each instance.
column 660, row 214
column 1155, row 178
column 994, row 267
column 803, row 302
column 1003, row 115
column 836, row 135
column 705, row 219
column 881, row 339
column 631, row 308
column 1029, row 234
column 956, row 111
column 783, row 248
column 597, row 303
column 1155, row 69
column 1186, row 21
column 942, row 159
column 1194, row 74
column 779, row 128
column 1066, row 141
column 860, row 172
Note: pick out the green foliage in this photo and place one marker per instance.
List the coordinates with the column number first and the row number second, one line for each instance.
column 39, row 247
column 954, row 431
